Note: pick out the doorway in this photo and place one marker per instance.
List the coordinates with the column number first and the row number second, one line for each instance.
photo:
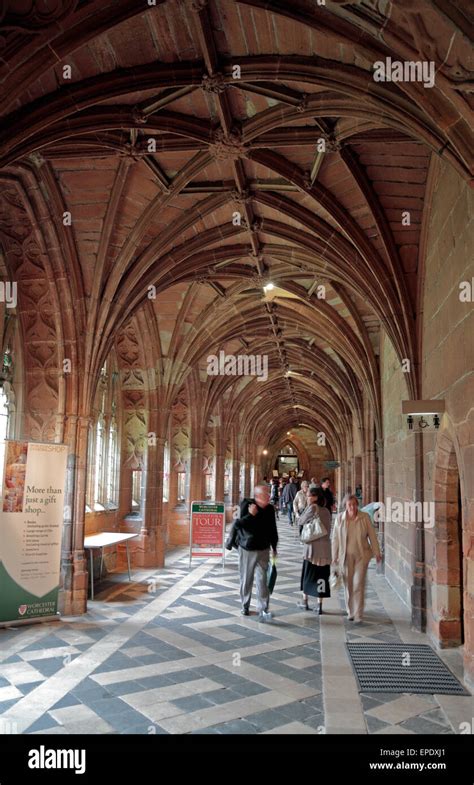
column 286, row 464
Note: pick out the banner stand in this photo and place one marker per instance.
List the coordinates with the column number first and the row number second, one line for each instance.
column 25, row 622
column 31, row 525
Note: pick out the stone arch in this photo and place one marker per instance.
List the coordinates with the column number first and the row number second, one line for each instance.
column 446, row 544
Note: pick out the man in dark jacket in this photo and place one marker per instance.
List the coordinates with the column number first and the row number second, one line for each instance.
column 288, row 497
column 256, row 534
column 326, row 486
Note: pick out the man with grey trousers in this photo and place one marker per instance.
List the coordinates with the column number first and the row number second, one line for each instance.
column 256, row 533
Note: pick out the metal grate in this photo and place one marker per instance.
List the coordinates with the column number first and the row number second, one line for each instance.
column 402, row 667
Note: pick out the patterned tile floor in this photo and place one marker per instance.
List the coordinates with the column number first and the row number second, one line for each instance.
column 170, row 653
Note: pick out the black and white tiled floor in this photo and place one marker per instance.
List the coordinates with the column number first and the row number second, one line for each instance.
column 170, row 653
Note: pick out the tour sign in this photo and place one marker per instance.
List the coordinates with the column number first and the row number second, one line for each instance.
column 207, row 529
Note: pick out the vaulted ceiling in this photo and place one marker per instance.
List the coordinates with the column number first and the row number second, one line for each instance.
column 172, row 118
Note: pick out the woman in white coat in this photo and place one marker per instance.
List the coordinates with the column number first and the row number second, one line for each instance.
column 354, row 544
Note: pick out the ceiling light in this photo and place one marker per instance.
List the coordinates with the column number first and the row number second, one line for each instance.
column 268, row 287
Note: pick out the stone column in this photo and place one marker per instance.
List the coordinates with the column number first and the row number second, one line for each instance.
column 376, row 466
column 235, row 494
column 219, row 458
column 74, row 568
column 247, row 489
column 197, row 481
column 173, row 498
column 418, row 588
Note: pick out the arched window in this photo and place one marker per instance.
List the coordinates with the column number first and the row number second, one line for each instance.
column 103, row 453
column 137, row 490
column 182, row 486
column 112, row 465
column 99, row 463
column 227, row 478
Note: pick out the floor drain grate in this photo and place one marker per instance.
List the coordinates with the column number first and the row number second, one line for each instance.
column 402, row 667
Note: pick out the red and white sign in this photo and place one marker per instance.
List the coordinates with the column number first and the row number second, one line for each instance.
column 207, row 529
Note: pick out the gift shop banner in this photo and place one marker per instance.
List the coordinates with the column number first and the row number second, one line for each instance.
column 31, row 522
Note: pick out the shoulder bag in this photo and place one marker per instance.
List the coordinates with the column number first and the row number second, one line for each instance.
column 313, row 530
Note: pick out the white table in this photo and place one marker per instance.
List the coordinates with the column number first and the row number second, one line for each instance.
column 101, row 541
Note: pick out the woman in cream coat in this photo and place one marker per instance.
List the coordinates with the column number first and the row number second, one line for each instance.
column 354, row 544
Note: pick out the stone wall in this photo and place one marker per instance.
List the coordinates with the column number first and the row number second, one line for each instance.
column 399, row 471
column 448, row 374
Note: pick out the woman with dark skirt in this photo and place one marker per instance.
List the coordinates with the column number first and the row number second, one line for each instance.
column 316, row 554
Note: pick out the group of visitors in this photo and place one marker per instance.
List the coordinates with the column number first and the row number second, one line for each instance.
column 346, row 548
column 289, row 497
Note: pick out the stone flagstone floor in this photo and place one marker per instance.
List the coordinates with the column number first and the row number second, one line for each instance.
column 170, row 653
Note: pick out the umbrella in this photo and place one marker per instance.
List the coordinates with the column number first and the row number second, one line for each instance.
column 371, row 509
column 271, row 575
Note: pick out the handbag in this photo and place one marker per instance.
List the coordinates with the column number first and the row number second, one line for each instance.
column 233, row 538
column 313, row 530
column 335, row 579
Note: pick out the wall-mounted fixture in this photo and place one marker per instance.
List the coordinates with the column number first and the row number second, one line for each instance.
column 417, row 411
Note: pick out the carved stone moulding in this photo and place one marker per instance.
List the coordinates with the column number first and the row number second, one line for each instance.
column 214, row 83
column 241, row 197
column 132, row 379
column 303, row 104
column 133, row 403
column 30, row 16
column 198, row 5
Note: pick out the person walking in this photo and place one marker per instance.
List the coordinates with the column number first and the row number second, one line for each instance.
column 326, row 486
column 275, row 495
column 256, row 533
column 317, row 554
column 300, row 502
column 288, row 496
column 354, row 544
